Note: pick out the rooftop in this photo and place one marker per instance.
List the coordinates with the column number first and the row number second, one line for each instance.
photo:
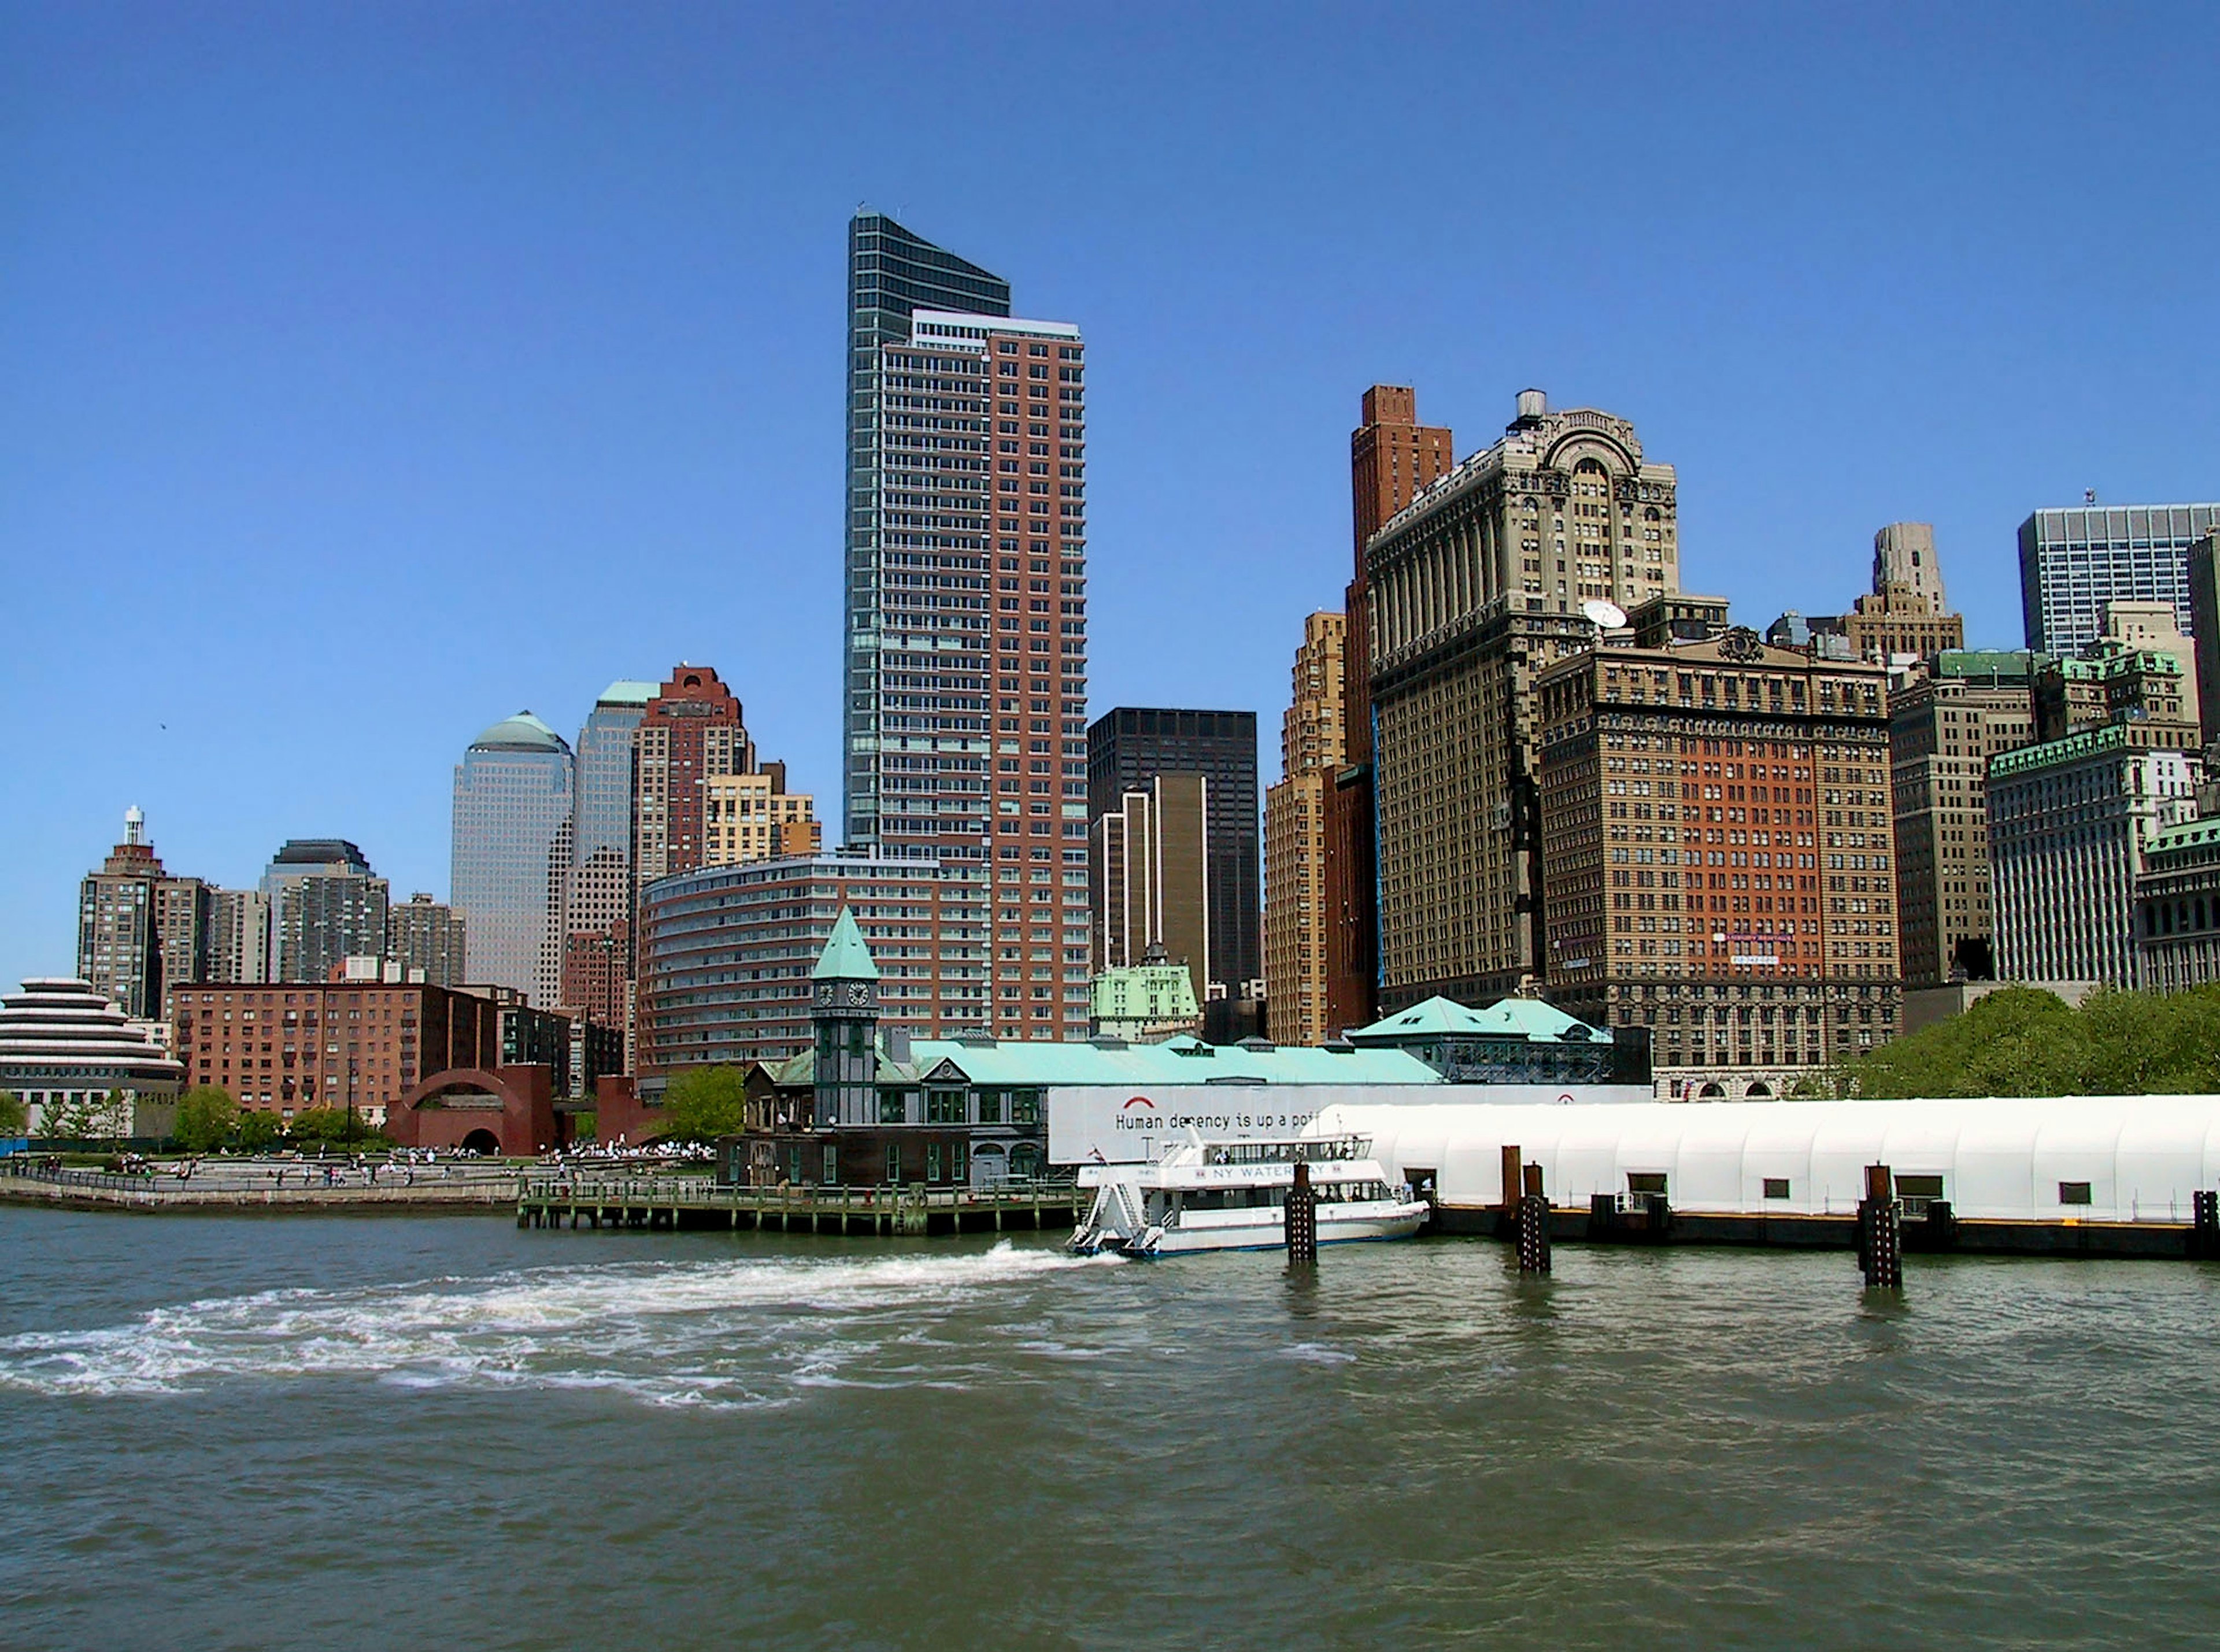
column 522, row 732
column 2112, row 739
column 1507, row 1018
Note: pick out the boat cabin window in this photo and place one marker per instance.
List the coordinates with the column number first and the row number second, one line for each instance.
column 1645, row 1182
column 1919, row 1186
column 2074, row 1193
column 1776, row 1186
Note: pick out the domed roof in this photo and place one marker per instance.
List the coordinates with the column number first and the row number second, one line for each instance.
column 522, row 732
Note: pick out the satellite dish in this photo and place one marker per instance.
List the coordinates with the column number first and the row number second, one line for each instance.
column 1607, row 616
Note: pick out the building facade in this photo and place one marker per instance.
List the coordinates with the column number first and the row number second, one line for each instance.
column 1151, row 879
column 1473, row 588
column 238, row 936
column 426, row 941
column 692, row 731
column 1719, row 853
column 1314, row 750
column 2178, row 908
column 512, row 849
column 80, row 1065
column 326, row 906
column 753, row 817
column 1392, row 459
column 2074, row 560
column 1129, row 748
column 1906, row 613
column 726, row 951
column 597, row 898
column 2069, row 822
column 139, row 929
column 2203, row 577
column 965, row 660
column 1945, row 722
column 285, row 1047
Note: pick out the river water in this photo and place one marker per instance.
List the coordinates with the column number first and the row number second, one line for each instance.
column 391, row 1431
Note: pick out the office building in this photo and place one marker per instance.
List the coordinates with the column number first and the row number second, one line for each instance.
column 1717, row 854
column 753, row 817
column 1146, row 1001
column 2069, row 823
column 1945, row 722
column 1314, row 750
column 2178, row 908
column 237, row 936
column 692, row 731
column 357, row 1045
column 1392, row 459
column 726, row 951
column 1906, row 615
column 1473, row 588
column 425, row 940
column 326, row 906
column 2203, row 577
column 511, row 848
column 1128, row 749
column 965, row 719
column 2074, row 560
column 139, row 930
column 598, row 900
column 1150, row 875
column 80, row 1065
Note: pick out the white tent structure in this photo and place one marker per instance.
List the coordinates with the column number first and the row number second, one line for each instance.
column 2061, row 1159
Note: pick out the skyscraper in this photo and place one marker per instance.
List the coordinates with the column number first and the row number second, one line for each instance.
column 1311, row 753
column 964, row 717
column 1129, row 747
column 1906, row 613
column 141, row 931
column 2074, row 560
column 1472, row 589
column 424, row 935
column 597, row 904
column 692, row 730
column 326, row 906
column 1151, row 875
column 512, row 852
column 1391, row 458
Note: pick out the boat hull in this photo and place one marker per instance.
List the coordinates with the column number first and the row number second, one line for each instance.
column 1398, row 1223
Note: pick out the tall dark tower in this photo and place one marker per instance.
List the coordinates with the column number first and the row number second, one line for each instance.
column 844, row 1009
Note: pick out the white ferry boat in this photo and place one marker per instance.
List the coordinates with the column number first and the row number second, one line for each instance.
column 1233, row 1196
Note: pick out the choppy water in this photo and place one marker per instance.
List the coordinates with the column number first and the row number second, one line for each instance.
column 394, row 1431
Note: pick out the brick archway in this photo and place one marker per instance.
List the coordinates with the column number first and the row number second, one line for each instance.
column 515, row 1105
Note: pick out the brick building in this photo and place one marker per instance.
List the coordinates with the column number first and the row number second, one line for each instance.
column 1314, row 749
column 284, row 1048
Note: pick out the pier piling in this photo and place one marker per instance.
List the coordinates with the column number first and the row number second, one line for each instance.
column 1533, row 1223
column 1880, row 1238
column 2204, row 1224
column 1302, row 1219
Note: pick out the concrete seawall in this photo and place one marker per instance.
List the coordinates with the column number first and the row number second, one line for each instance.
column 488, row 1196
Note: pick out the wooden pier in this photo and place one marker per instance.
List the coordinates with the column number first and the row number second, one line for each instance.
column 672, row 1202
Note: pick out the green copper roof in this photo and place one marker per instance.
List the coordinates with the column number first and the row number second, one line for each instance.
column 522, row 732
column 1038, row 1064
column 845, row 958
column 626, row 692
column 1508, row 1018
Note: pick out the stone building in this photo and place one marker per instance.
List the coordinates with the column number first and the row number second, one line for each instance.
column 753, row 817
column 1946, row 721
column 1906, row 613
column 2176, row 917
column 2069, row 822
column 1717, row 854
column 1473, row 588
column 1312, row 750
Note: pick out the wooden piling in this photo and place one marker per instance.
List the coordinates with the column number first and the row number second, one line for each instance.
column 1301, row 1225
column 1533, row 1223
column 1880, row 1236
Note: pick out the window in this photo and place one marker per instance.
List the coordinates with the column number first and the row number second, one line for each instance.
column 943, row 1107
column 1776, row 1186
column 892, row 1111
column 2074, row 1193
column 894, row 1162
column 990, row 1107
column 1645, row 1182
column 832, row 1165
column 932, row 1161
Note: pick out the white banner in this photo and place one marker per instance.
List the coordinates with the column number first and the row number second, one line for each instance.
column 1097, row 1123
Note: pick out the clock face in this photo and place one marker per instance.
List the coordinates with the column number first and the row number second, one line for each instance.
column 858, row 993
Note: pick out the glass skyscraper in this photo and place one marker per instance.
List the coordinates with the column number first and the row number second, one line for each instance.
column 964, row 711
column 512, row 855
column 2074, row 560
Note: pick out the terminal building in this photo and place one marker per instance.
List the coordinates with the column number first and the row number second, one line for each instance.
column 80, row 1067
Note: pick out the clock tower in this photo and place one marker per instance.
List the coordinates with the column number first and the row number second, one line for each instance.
column 844, row 1010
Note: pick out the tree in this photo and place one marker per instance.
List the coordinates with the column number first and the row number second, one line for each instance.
column 257, row 1132
column 207, row 1116
column 14, row 1115
column 2020, row 1041
column 335, row 1126
column 75, row 1118
column 704, row 1104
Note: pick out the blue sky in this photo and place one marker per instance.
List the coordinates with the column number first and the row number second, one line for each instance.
column 369, row 372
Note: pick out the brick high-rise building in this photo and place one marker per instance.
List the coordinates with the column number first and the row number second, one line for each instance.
column 139, row 930
column 1312, row 751
column 1718, row 854
column 692, row 730
column 1391, row 458
column 1472, row 591
column 964, row 718
column 1129, row 747
column 1944, row 724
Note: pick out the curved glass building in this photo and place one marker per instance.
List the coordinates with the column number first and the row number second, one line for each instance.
column 512, row 850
